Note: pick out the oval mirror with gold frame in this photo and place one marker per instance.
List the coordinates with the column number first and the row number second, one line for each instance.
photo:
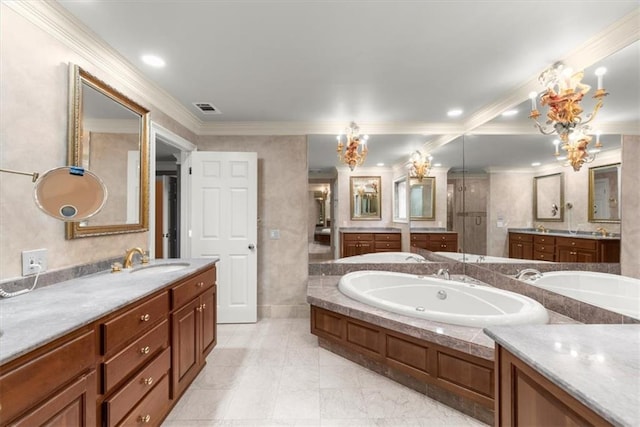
column 108, row 135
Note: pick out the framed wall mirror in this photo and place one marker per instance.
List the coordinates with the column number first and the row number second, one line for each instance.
column 366, row 197
column 422, row 197
column 108, row 135
column 548, row 197
column 604, row 193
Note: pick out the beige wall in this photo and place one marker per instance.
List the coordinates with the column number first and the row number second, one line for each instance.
column 630, row 256
column 33, row 137
column 282, row 205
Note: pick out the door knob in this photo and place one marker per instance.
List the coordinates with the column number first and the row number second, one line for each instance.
column 252, row 246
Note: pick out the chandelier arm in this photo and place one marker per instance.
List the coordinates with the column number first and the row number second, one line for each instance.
column 594, row 114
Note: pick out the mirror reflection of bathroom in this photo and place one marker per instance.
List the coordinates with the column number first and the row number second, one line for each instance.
column 320, row 214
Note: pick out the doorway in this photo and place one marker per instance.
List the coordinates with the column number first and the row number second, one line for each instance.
column 167, row 212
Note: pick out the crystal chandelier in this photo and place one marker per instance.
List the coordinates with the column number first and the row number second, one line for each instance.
column 563, row 94
column 420, row 165
column 355, row 150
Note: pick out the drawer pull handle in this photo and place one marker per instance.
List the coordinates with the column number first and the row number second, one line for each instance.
column 145, row 318
column 543, row 248
column 573, row 253
column 204, row 306
column 199, row 308
column 200, row 284
column 147, row 381
column 573, row 243
column 144, row 418
column 145, row 350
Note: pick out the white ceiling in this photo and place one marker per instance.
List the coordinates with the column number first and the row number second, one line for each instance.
column 395, row 67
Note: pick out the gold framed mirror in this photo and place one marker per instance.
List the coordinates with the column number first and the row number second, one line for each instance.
column 109, row 135
column 604, row 193
column 422, row 194
column 366, row 197
column 548, row 197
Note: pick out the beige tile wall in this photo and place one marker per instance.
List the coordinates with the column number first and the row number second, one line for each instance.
column 630, row 256
column 282, row 205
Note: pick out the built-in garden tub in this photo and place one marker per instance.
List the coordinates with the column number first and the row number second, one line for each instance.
column 609, row 291
column 442, row 300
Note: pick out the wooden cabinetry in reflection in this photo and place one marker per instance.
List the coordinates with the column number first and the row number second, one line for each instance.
column 365, row 243
column 435, row 242
column 544, row 247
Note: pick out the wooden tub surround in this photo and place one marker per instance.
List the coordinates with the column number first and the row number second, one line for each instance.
column 449, row 363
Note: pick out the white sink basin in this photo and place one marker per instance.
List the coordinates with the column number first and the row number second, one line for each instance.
column 160, row 268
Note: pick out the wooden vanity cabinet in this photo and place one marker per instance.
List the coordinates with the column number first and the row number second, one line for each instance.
column 387, row 242
column 194, row 328
column 356, row 244
column 55, row 386
column 544, row 248
column 521, row 245
column 526, row 398
column 135, row 346
column 435, row 242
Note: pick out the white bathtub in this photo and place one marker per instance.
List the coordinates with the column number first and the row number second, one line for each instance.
column 441, row 300
column 457, row 256
column 609, row 291
column 382, row 257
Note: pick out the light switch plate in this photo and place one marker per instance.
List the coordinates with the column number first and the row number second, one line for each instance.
column 274, row 234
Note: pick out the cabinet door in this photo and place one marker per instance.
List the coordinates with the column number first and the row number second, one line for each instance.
column 350, row 248
column 208, row 317
column 520, row 250
column 184, row 349
column 75, row 405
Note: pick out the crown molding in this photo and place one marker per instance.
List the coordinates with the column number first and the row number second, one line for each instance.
column 56, row 21
column 323, row 128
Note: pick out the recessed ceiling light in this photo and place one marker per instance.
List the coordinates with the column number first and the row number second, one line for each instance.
column 509, row 113
column 153, row 60
column 535, row 164
column 379, row 164
column 437, row 165
column 454, row 113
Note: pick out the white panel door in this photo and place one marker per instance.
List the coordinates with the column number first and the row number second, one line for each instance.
column 223, row 223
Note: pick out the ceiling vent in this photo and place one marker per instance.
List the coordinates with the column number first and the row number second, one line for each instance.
column 207, row 108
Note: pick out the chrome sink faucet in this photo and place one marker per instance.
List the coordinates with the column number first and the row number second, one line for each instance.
column 444, row 272
column 535, row 274
column 128, row 258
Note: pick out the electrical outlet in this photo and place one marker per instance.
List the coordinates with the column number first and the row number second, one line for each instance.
column 30, row 260
column 274, row 234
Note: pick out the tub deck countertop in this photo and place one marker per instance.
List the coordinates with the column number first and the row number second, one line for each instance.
column 599, row 365
column 34, row 319
column 323, row 292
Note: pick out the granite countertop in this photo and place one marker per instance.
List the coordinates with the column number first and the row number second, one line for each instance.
column 566, row 233
column 599, row 365
column 431, row 230
column 369, row 230
column 31, row 320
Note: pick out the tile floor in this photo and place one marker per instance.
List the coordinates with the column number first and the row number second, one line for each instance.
column 273, row 373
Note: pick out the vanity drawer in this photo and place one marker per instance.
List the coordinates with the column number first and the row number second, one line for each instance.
column 27, row 385
column 544, row 248
column 152, row 407
column 192, row 287
column 387, row 246
column 518, row 237
column 544, row 240
column 134, row 355
column 419, row 237
column 126, row 326
column 387, row 237
column 354, row 237
column 445, row 238
column 117, row 406
column 544, row 256
column 577, row 243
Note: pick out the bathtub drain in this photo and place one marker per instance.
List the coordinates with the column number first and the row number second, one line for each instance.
column 419, row 308
column 442, row 295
